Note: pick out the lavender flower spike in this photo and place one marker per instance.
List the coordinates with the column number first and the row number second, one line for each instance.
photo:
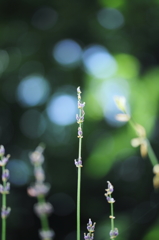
column 90, row 226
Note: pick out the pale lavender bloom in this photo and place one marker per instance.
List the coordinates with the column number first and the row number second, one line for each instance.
column 46, row 234
column 5, row 175
column 78, row 163
column 5, row 189
column 88, row 236
column 4, row 160
column 110, row 200
column 38, row 189
column 80, row 133
column 80, row 104
column 36, row 158
column 78, row 90
column 114, row 233
column 90, row 226
column 5, row 212
column 43, row 208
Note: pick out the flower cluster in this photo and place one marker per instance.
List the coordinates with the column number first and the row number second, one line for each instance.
column 5, row 187
column 114, row 231
column 40, row 189
column 90, row 228
column 80, row 120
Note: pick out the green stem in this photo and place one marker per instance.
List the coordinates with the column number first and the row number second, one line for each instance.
column 43, row 217
column 79, row 184
column 112, row 214
column 3, row 207
column 151, row 154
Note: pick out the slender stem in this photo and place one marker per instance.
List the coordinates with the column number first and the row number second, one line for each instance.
column 79, row 184
column 112, row 214
column 152, row 155
column 3, row 207
column 43, row 217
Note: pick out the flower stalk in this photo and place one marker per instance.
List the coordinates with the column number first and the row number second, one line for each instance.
column 78, row 162
column 4, row 190
column 114, row 231
column 39, row 190
column 141, row 139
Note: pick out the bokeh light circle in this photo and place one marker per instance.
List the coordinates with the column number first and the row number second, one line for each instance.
column 62, row 109
column 33, row 90
column 67, row 52
column 99, row 62
column 110, row 18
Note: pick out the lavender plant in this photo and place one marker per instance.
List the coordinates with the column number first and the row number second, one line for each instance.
column 141, row 140
column 78, row 162
column 90, row 228
column 114, row 231
column 39, row 190
column 4, row 190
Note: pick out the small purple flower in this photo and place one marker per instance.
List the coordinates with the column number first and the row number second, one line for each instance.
column 110, row 189
column 46, row 234
column 90, row 226
column 5, row 189
column 43, row 208
column 36, row 158
column 78, row 163
column 2, row 150
column 88, row 236
column 110, row 200
column 114, row 233
column 5, row 212
column 4, row 160
column 80, row 104
column 80, row 133
column 5, row 175
column 38, row 189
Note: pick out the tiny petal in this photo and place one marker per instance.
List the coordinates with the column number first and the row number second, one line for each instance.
column 135, row 142
column 43, row 208
column 78, row 90
column 110, row 200
column 110, row 188
column 38, row 189
column 122, row 117
column 156, row 181
column 78, row 163
column 90, row 226
column 114, row 233
column 88, row 236
column 144, row 149
column 156, row 169
column 5, row 212
column 5, row 175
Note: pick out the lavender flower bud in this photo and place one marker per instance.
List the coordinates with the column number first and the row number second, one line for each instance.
column 36, row 158
column 2, row 151
column 81, row 105
column 43, row 208
column 5, row 175
column 110, row 200
column 38, row 189
column 4, row 160
column 80, row 133
column 46, row 234
column 90, row 227
column 5, row 189
column 114, row 233
column 78, row 163
column 5, row 212
column 88, row 236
